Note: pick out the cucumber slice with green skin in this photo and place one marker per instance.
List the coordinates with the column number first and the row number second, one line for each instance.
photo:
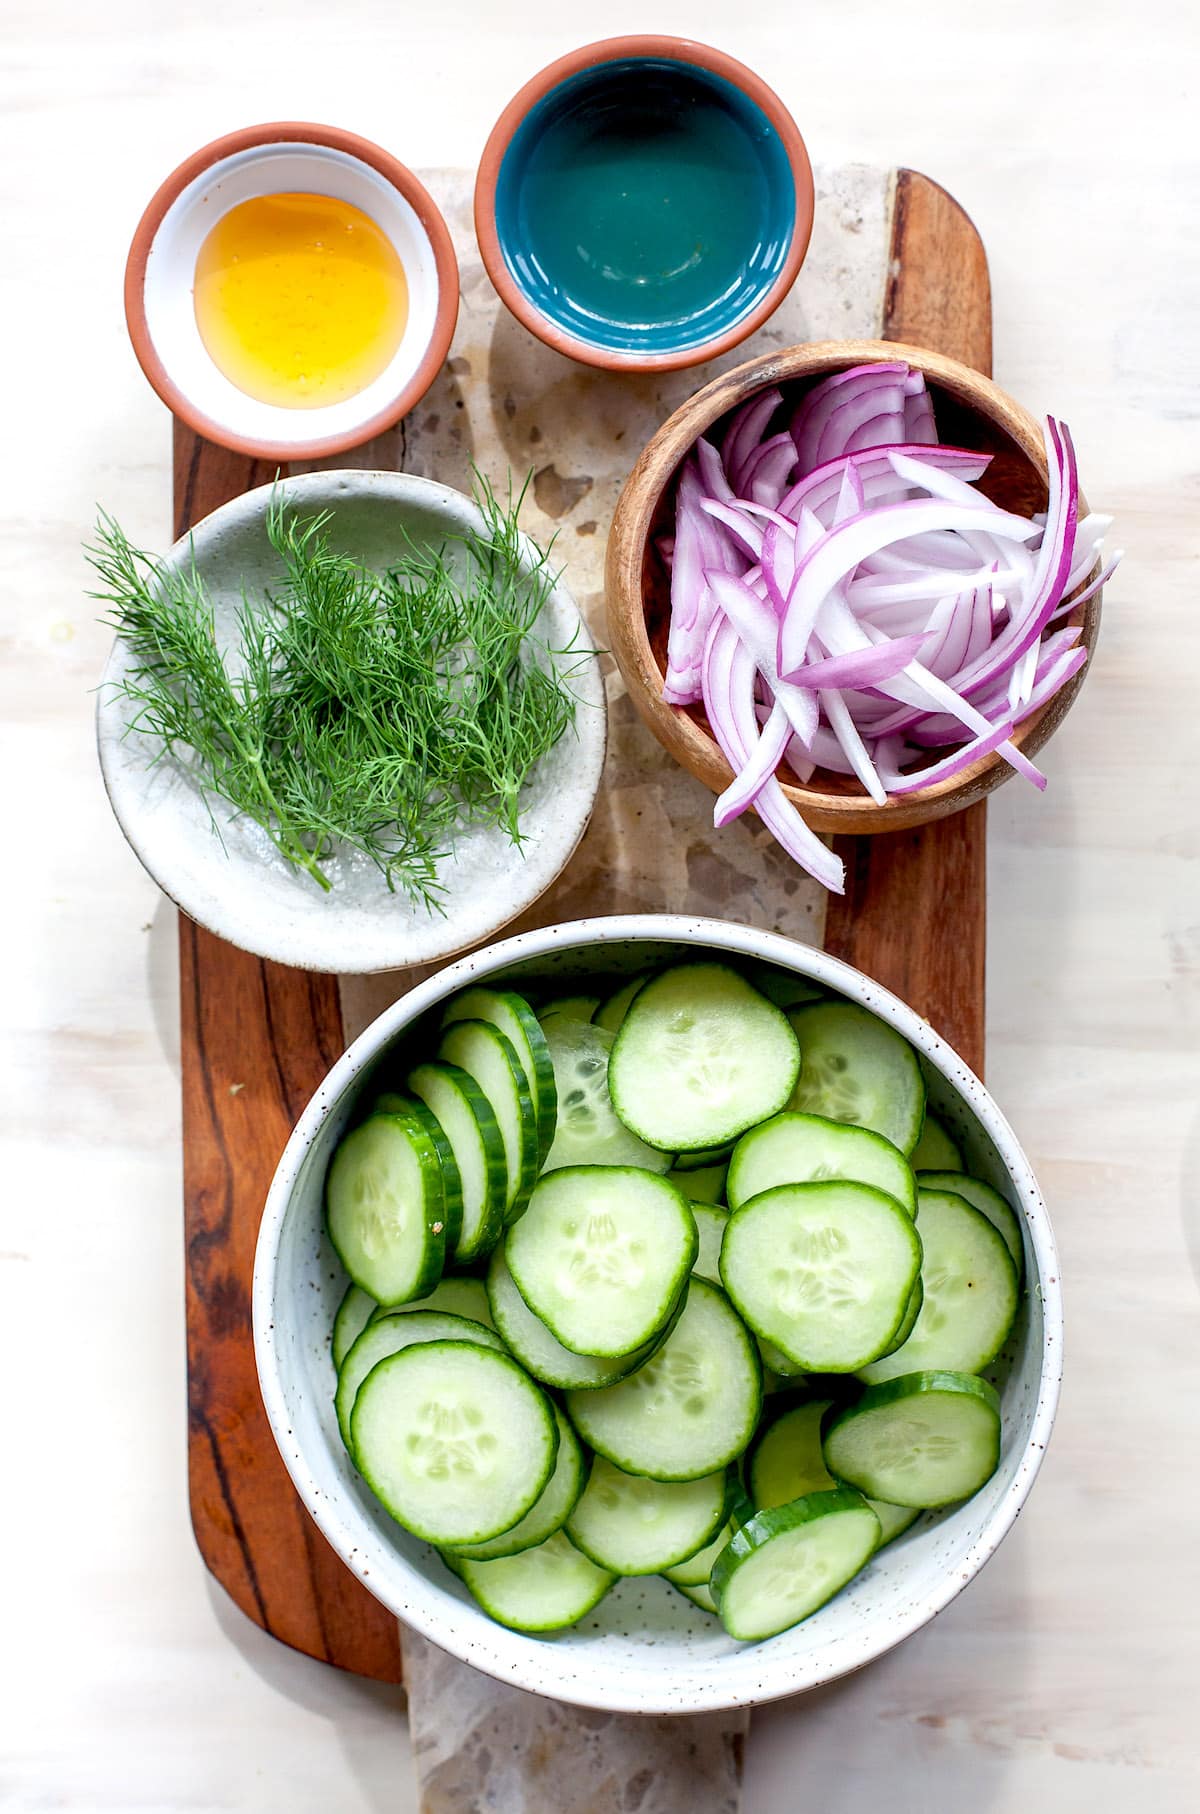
column 552, row 1508
column 697, row 1592
column 601, row 1254
column 786, row 989
column 588, row 1130
column 513, row 1016
column 786, row 1462
column 782, row 1368
column 695, row 1570
column 935, row 1151
column 350, row 1319
column 473, row 1134
column 824, row 1272
column 785, row 1563
column 1002, row 1216
column 612, row 1012
column 454, row 1439
column 703, row 1159
column 459, row 1297
column 701, row 1056
column 710, row 1230
column 570, row 1007
column 970, row 1293
column 809, row 1149
column 487, row 1055
column 916, row 1299
column 636, row 1526
column 691, row 1408
column 392, row 1103
column 541, row 1353
column 925, row 1440
column 894, row 1520
column 542, row 1589
column 858, row 1069
column 706, row 1185
column 390, row 1334
column 385, row 1208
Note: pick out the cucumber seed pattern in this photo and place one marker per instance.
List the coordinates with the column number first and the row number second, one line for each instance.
column 449, row 1440
column 902, row 1444
column 714, row 1075
column 673, row 1380
column 826, row 1087
column 815, row 1276
column 600, row 1254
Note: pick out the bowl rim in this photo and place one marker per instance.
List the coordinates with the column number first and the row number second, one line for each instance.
column 327, row 485
column 406, row 184
column 611, row 50
column 629, row 639
column 529, row 1662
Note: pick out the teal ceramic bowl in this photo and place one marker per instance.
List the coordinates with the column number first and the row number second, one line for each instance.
column 644, row 203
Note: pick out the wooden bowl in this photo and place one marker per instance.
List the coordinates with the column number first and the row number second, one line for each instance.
column 971, row 412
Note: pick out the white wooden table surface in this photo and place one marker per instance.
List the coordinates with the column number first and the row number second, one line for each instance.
column 1067, row 1677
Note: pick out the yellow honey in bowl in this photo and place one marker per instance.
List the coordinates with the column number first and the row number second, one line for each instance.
column 300, row 300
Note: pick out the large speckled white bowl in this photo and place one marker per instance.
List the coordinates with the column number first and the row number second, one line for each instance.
column 233, row 880
column 644, row 1649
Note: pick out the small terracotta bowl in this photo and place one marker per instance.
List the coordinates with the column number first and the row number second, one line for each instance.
column 971, row 412
column 647, row 280
column 285, row 157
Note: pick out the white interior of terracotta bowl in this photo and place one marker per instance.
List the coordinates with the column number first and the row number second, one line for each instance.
column 645, row 1648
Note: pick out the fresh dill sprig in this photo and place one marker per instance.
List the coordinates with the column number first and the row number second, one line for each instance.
column 377, row 712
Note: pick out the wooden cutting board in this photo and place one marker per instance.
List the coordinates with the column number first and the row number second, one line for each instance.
column 258, row 1038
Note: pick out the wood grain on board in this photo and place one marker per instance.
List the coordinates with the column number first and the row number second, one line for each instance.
column 257, row 1039
column 914, row 914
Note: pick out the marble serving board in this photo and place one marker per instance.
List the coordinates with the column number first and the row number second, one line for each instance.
column 891, row 254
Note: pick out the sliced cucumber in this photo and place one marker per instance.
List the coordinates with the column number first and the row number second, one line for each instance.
column 915, row 1300
column 785, row 1563
column 695, row 1570
column 570, row 1007
column 822, row 1271
column 459, row 1297
column 856, row 1068
column 697, row 1592
column 785, row 988
column 550, row 1510
column 780, row 1366
column 487, row 1055
column 935, row 1151
column 786, row 1461
column 808, row 1149
column 705, row 1185
column 703, row 1159
column 970, row 1293
column 691, row 1408
column 588, row 1130
column 612, row 1012
column 473, row 1134
column 542, row 1353
column 513, row 1016
column 385, row 1208
column 710, row 1229
column 926, row 1439
column 392, row 1103
column 391, row 1333
column 701, row 1056
column 894, row 1520
column 636, row 1526
column 542, row 1589
column 601, row 1254
column 1002, row 1216
column 454, row 1439
column 352, row 1316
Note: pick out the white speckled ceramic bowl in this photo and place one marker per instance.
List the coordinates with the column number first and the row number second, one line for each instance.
column 237, row 884
column 644, row 1649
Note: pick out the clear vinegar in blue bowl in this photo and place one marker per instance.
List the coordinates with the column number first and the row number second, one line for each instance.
column 645, row 210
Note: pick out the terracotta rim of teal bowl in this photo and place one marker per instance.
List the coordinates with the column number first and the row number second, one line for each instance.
column 591, row 56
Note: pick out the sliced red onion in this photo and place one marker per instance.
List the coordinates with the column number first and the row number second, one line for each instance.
column 746, row 430
column 826, row 398
column 763, row 758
